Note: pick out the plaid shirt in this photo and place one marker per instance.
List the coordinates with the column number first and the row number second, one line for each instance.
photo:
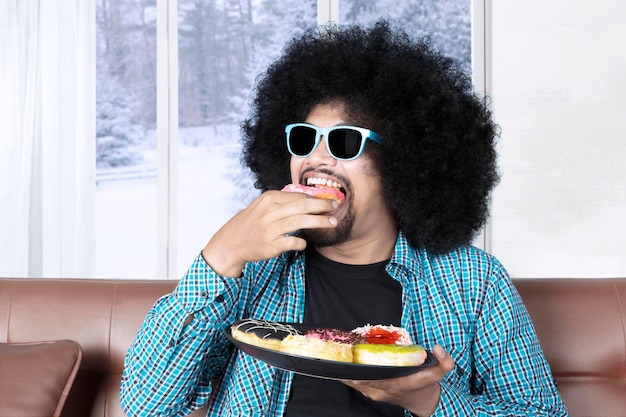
column 463, row 300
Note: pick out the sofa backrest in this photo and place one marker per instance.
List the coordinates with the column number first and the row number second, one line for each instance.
column 103, row 316
column 580, row 323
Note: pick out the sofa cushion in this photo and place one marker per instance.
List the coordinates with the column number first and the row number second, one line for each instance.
column 35, row 378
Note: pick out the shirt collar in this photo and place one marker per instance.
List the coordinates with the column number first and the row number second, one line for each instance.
column 405, row 261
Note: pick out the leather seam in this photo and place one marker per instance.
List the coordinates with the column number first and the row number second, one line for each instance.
column 109, row 341
column 10, row 313
column 622, row 312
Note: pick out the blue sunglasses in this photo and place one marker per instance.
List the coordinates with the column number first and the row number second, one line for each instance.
column 342, row 142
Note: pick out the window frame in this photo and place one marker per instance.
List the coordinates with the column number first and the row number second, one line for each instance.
column 167, row 116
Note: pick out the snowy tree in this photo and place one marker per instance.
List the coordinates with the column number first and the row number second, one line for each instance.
column 117, row 136
column 126, row 79
column 447, row 23
column 223, row 46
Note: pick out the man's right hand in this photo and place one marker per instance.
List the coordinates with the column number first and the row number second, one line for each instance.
column 264, row 230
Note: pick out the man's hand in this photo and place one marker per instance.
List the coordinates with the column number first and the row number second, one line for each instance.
column 419, row 393
column 263, row 230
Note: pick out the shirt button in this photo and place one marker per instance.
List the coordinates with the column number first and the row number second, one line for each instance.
column 204, row 294
column 219, row 298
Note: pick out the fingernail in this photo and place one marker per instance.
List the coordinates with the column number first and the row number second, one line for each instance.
column 440, row 351
column 332, row 221
column 335, row 204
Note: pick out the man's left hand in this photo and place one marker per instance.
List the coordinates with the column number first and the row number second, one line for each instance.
column 419, row 393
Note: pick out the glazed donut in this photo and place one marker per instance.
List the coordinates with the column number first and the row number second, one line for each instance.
column 262, row 333
column 388, row 355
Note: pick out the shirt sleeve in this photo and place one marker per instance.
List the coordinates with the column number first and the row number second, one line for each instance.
column 180, row 349
column 510, row 375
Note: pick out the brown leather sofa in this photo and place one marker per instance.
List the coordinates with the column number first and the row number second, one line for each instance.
column 580, row 322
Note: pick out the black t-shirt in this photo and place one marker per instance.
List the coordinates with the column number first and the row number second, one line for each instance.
column 344, row 296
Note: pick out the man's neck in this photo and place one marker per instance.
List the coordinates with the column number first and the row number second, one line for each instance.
column 364, row 251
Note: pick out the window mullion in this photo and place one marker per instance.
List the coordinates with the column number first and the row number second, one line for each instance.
column 480, row 78
column 167, row 137
column 327, row 11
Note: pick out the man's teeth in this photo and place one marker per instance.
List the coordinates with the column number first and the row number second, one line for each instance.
column 312, row 182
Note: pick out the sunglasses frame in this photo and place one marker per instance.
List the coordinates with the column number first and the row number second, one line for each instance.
column 325, row 131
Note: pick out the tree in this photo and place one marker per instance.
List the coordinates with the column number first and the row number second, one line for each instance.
column 117, row 136
column 223, row 46
column 126, row 79
column 447, row 23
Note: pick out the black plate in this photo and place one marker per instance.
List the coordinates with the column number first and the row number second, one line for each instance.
column 321, row 368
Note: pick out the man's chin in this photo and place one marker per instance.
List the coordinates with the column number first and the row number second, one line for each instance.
column 326, row 237
column 333, row 236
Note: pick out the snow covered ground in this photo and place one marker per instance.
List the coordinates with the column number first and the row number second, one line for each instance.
column 126, row 215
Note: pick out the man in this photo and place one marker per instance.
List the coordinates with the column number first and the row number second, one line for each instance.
column 395, row 127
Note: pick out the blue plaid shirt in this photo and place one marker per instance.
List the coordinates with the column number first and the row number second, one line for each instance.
column 463, row 300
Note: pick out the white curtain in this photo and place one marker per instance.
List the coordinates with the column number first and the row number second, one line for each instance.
column 47, row 145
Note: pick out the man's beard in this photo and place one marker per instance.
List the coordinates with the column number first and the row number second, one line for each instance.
column 332, row 236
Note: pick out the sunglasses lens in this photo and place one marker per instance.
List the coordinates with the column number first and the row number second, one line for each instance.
column 301, row 140
column 345, row 143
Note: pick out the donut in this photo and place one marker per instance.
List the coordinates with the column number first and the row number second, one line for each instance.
column 262, row 333
column 369, row 345
column 323, row 343
column 330, row 193
column 336, row 335
column 388, row 354
column 385, row 335
column 314, row 347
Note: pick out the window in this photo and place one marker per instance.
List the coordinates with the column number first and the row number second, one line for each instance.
column 163, row 188
column 126, row 164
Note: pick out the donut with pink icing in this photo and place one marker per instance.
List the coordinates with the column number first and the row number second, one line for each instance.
column 317, row 192
column 335, row 335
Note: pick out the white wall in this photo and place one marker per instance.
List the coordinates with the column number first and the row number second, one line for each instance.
column 556, row 74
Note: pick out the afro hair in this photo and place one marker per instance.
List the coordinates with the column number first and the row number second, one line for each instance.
column 438, row 156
